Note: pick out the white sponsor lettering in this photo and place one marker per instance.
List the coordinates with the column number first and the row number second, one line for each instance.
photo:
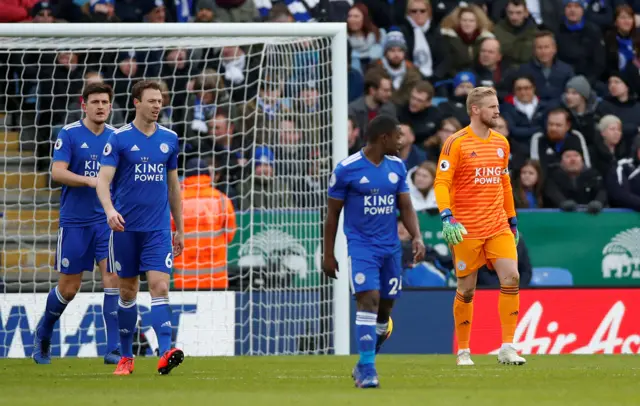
column 149, row 173
column 488, row 175
column 375, row 205
column 91, row 168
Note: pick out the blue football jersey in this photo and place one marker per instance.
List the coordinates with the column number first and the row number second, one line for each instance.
column 140, row 189
column 370, row 195
column 81, row 149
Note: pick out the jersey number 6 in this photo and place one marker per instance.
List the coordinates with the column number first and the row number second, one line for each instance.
column 168, row 262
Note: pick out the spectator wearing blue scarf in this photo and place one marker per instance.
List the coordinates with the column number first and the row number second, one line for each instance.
column 621, row 40
column 580, row 42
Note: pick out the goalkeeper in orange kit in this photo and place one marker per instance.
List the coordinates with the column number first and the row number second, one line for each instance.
column 474, row 196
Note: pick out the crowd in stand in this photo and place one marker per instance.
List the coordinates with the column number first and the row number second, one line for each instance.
column 567, row 74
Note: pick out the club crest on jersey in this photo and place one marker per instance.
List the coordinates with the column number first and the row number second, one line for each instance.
column 65, row 262
column 461, row 266
column 332, row 180
column 500, row 153
column 107, row 149
column 58, row 144
column 164, row 148
column 393, row 177
column 444, row 165
column 360, row 278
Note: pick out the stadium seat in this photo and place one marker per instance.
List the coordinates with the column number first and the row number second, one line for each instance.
column 551, row 277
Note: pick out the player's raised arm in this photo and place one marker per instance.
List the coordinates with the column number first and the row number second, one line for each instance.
column 175, row 204
column 452, row 231
column 60, row 170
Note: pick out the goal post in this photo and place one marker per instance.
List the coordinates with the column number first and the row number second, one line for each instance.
column 277, row 92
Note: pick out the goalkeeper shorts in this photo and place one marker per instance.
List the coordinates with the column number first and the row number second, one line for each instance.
column 79, row 247
column 132, row 253
column 471, row 254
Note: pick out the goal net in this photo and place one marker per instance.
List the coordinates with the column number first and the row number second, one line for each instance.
column 256, row 118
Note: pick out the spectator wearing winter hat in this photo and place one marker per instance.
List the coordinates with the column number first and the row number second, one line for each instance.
column 547, row 146
column 573, row 184
column 264, row 190
column 622, row 103
column 463, row 31
column 205, row 11
column 404, row 75
column 456, row 106
column 621, row 41
column 582, row 102
column 623, row 182
column 580, row 42
column 549, row 73
column 425, row 45
column 607, row 147
column 523, row 110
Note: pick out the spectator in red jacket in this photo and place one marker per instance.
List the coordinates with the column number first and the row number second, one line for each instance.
column 15, row 11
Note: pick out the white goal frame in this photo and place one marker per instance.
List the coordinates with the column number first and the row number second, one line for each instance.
column 339, row 108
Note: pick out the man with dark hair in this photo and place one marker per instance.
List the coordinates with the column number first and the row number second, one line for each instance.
column 420, row 113
column 370, row 185
column 546, row 147
column 83, row 236
column 550, row 74
column 516, row 33
column 376, row 99
column 141, row 159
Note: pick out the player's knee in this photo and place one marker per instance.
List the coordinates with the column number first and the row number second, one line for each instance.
column 68, row 291
column 110, row 280
column 467, row 292
column 159, row 288
column 510, row 278
column 368, row 301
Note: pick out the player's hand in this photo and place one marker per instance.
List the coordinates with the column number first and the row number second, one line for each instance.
column 115, row 221
column 513, row 225
column 178, row 244
column 330, row 266
column 92, row 182
column 418, row 250
column 452, row 231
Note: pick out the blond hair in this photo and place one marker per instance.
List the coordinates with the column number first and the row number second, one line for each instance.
column 452, row 21
column 477, row 94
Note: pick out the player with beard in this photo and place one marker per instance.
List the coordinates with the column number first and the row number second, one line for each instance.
column 474, row 196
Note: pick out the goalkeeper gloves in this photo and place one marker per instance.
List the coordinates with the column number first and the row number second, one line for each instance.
column 513, row 225
column 452, row 231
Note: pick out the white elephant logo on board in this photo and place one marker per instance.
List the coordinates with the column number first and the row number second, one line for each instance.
column 621, row 257
column 275, row 251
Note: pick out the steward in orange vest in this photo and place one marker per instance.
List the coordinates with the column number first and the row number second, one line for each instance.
column 209, row 228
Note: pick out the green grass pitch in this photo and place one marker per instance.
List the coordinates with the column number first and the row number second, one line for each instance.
column 602, row 380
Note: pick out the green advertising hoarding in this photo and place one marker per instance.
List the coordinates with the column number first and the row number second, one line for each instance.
column 600, row 250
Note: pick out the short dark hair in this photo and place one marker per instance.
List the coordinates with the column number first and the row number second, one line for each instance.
column 97, row 88
column 517, row 3
column 381, row 125
column 372, row 79
column 545, row 33
column 354, row 122
column 143, row 85
column 563, row 111
column 424, row 86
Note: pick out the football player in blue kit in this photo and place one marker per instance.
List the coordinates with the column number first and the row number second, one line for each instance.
column 139, row 164
column 83, row 235
column 370, row 186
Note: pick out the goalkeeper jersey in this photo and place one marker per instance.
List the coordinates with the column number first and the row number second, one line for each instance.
column 370, row 194
column 473, row 179
column 81, row 149
column 140, row 189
